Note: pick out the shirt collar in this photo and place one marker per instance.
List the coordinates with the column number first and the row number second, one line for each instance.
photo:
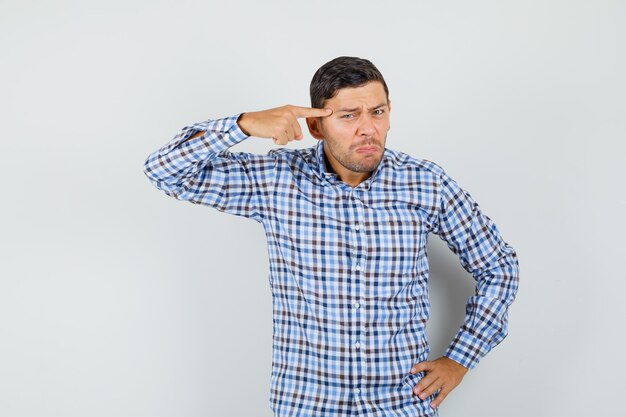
column 326, row 174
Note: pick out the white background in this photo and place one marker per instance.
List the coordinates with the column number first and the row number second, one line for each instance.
column 118, row 300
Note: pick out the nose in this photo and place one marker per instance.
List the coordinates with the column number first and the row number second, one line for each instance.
column 366, row 126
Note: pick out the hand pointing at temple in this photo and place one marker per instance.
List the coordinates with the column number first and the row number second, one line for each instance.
column 279, row 123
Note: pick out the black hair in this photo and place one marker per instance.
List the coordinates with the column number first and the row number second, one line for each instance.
column 342, row 72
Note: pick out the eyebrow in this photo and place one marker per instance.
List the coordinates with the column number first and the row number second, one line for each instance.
column 357, row 108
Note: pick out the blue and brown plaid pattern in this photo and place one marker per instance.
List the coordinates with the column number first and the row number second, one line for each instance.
column 348, row 267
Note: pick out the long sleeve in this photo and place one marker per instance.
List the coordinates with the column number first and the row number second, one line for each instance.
column 493, row 263
column 203, row 171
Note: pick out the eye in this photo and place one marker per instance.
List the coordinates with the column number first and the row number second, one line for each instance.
column 379, row 111
column 347, row 116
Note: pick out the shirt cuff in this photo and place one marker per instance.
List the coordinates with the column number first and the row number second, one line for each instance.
column 467, row 349
column 235, row 131
column 220, row 134
column 228, row 125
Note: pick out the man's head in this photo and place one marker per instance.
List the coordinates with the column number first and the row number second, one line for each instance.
column 342, row 72
column 357, row 93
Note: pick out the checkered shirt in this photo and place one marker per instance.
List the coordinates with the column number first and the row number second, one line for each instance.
column 348, row 267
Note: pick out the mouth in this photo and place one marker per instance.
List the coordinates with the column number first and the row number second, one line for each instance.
column 367, row 149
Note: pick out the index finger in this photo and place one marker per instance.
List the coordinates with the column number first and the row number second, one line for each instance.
column 311, row 112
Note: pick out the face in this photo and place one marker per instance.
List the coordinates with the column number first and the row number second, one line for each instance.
column 356, row 132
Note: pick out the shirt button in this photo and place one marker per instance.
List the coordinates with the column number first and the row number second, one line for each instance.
column 357, row 390
column 357, row 226
column 357, row 304
column 357, row 267
column 357, row 344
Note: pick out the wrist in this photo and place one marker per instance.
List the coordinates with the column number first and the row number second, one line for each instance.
column 241, row 122
column 459, row 366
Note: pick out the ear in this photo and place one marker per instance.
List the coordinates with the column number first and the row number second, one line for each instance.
column 313, row 123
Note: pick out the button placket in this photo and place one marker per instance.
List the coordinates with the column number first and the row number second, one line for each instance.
column 358, row 268
column 360, row 232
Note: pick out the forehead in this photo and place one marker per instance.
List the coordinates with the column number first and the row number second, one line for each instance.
column 372, row 93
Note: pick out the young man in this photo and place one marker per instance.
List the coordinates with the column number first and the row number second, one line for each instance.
column 347, row 222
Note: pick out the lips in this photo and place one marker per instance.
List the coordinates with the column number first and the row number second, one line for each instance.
column 367, row 149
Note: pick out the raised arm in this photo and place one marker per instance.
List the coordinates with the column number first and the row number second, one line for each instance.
column 197, row 166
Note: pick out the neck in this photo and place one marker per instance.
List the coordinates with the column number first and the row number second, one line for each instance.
column 349, row 177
